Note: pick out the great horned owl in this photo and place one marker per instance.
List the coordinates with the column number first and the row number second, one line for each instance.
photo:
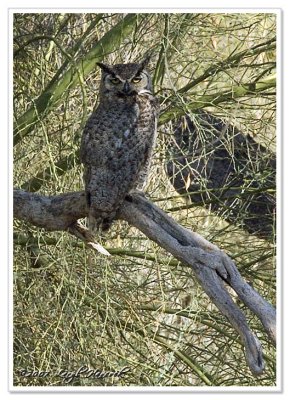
column 118, row 139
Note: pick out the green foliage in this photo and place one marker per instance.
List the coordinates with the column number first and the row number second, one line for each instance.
column 140, row 308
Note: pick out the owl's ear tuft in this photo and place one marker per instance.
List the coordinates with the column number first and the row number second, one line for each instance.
column 105, row 68
column 143, row 64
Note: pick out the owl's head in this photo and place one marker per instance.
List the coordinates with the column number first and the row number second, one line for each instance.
column 125, row 80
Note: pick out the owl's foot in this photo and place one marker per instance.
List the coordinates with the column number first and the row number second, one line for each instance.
column 100, row 222
column 129, row 197
column 105, row 224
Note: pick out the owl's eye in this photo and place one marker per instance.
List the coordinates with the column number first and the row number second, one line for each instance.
column 136, row 79
column 115, row 81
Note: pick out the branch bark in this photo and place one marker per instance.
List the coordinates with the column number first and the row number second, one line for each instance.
column 211, row 266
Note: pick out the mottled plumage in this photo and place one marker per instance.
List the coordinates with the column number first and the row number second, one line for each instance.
column 118, row 139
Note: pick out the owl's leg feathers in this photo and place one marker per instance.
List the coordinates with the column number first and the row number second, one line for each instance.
column 83, row 233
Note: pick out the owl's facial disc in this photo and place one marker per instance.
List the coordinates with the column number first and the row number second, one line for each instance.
column 124, row 87
column 126, row 83
column 121, row 86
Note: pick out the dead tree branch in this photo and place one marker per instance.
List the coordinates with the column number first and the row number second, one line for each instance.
column 211, row 266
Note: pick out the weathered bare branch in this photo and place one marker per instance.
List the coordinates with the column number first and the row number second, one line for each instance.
column 212, row 267
column 192, row 249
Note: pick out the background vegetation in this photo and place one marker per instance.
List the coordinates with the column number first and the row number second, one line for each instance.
column 139, row 308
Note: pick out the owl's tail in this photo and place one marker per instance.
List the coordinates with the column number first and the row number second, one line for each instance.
column 101, row 212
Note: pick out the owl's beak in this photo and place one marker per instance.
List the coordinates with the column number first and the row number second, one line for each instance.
column 126, row 88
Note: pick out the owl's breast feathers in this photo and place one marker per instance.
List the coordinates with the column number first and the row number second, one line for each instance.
column 116, row 149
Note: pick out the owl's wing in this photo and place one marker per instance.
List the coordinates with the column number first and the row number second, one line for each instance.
column 89, row 133
column 109, row 164
column 149, row 141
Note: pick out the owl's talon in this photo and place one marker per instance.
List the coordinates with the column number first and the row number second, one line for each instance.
column 138, row 192
column 129, row 198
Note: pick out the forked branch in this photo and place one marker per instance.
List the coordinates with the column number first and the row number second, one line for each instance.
column 211, row 266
